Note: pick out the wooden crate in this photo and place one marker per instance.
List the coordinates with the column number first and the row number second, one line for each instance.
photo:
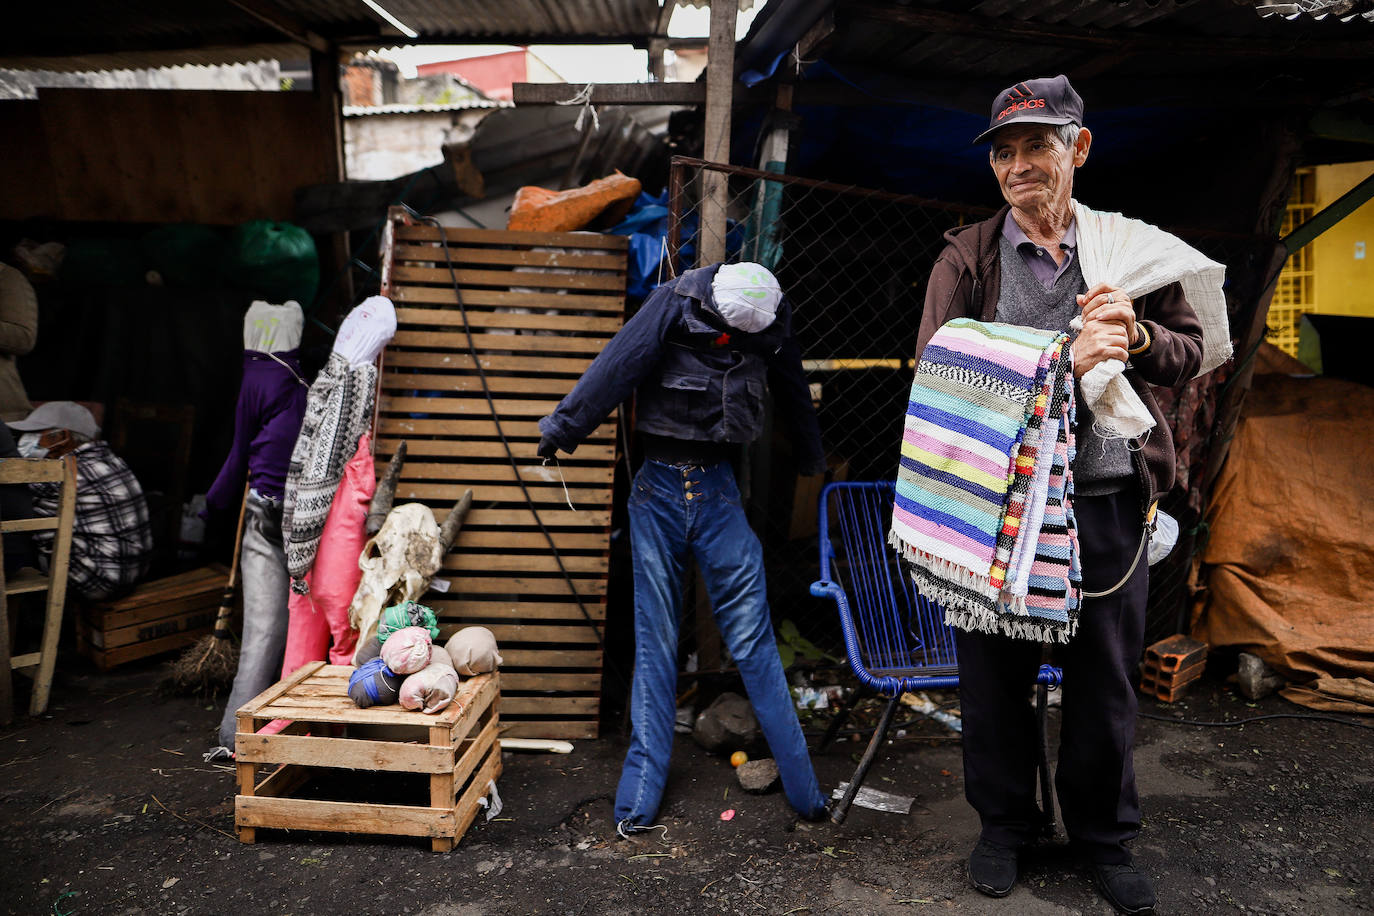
column 159, row 616
column 456, row 749
column 540, row 306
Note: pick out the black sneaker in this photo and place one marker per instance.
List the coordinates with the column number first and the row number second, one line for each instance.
column 992, row 868
column 1126, row 888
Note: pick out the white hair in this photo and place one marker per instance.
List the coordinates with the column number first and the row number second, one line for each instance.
column 1068, row 134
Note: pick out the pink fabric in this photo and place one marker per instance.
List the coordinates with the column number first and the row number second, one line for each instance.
column 322, row 614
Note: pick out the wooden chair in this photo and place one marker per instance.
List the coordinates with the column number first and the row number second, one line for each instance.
column 26, row 471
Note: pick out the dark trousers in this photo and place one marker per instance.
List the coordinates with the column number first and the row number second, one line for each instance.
column 1095, row 777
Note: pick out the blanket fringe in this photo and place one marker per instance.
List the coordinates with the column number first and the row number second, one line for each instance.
column 981, row 620
column 941, row 568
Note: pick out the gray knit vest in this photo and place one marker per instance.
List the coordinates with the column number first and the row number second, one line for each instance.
column 1101, row 465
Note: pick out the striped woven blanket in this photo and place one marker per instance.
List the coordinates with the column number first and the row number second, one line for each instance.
column 983, row 510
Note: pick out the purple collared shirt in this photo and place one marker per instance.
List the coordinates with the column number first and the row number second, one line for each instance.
column 1040, row 261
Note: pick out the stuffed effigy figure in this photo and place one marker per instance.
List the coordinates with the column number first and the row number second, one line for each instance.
column 407, row 650
column 374, row 684
column 433, row 688
column 473, row 651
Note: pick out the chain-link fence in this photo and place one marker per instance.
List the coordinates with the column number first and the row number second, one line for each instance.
column 854, row 264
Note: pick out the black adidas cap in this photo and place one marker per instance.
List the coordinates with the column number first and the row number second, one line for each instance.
column 1049, row 100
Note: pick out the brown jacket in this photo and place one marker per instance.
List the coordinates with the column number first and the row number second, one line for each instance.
column 966, row 282
column 18, row 334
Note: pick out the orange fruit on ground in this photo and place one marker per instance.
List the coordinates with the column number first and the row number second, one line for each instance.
column 737, row 758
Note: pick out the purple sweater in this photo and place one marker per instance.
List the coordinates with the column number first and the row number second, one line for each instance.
column 266, row 422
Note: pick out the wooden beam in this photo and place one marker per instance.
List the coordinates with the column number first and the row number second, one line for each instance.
column 1066, row 36
column 269, row 13
column 1330, row 215
column 1335, row 125
column 817, row 36
column 612, row 93
column 720, row 83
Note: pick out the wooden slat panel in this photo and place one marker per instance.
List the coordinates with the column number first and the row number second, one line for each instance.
column 509, row 257
column 489, row 493
column 468, row 448
column 470, row 610
column 412, row 318
column 535, row 728
column 571, row 366
column 278, row 689
column 460, row 236
column 579, row 300
column 509, row 563
column 343, row 817
column 30, row 470
column 548, row 680
column 401, row 382
column 439, row 276
column 549, row 658
column 553, row 518
column 536, row 473
column 477, row 751
column 505, row 407
column 344, row 753
column 465, row 811
column 29, row 524
column 507, row 585
column 518, row 343
column 461, row 429
column 549, row 706
column 535, row 540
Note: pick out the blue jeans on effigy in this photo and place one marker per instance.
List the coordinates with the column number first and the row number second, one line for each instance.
column 674, row 512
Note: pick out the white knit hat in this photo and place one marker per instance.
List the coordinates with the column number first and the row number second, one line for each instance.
column 366, row 330
column 746, row 295
column 269, row 328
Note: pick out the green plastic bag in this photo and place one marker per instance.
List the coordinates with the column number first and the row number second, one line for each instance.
column 406, row 614
column 274, row 261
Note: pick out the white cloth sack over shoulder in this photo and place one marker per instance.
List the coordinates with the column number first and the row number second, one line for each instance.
column 1139, row 258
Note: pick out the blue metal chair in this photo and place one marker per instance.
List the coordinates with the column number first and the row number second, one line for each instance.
column 895, row 638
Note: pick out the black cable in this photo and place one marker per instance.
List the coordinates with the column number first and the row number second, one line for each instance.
column 1276, row 715
column 510, row 454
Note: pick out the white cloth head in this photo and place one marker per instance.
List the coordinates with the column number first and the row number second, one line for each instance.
column 366, row 330
column 269, row 328
column 746, row 296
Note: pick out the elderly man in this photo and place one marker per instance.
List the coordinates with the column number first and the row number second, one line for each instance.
column 1020, row 267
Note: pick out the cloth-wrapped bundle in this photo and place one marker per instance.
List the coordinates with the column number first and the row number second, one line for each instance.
column 433, row 688
column 374, row 684
column 407, row 650
column 407, row 614
column 473, row 651
column 983, row 510
column 367, row 651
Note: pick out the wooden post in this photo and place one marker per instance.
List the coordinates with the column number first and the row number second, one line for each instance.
column 720, row 79
column 324, row 75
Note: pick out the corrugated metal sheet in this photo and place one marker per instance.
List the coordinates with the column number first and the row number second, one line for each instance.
column 99, row 35
column 362, row 111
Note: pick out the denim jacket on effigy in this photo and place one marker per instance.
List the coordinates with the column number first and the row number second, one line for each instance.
column 696, row 377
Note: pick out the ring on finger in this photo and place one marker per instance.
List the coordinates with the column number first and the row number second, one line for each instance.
column 1110, row 300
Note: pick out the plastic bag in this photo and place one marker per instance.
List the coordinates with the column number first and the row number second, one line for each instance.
column 1163, row 537
column 473, row 651
column 407, row 651
column 374, row 684
column 407, row 614
column 273, row 261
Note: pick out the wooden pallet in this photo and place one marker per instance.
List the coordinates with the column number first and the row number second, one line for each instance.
column 159, row 616
column 540, row 307
column 456, row 749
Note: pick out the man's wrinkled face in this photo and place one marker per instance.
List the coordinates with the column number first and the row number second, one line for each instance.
column 1034, row 168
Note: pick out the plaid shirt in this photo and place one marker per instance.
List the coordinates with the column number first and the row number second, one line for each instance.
column 112, row 539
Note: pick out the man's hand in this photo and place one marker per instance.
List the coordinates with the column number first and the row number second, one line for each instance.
column 1100, row 340
column 546, row 448
column 1107, row 303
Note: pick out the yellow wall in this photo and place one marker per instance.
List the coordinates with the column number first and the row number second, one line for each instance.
column 1344, row 282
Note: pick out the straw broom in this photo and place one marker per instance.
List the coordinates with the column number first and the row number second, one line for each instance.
column 209, row 665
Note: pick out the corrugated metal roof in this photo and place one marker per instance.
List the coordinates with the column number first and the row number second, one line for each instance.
column 362, row 111
column 97, row 35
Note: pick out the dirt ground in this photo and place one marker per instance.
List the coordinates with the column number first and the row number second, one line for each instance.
column 106, row 807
